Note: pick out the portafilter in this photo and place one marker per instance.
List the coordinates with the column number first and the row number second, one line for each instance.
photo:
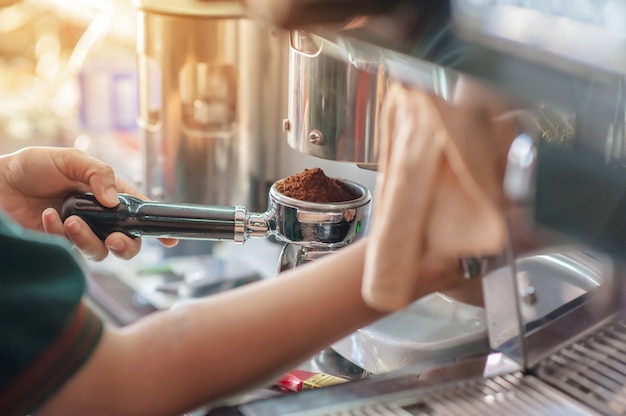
column 313, row 225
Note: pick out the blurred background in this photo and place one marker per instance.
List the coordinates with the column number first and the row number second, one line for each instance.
column 68, row 78
column 69, row 73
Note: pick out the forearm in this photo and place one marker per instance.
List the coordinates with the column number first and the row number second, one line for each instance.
column 175, row 360
column 220, row 346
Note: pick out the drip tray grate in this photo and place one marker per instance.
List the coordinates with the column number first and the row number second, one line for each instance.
column 512, row 394
column 592, row 369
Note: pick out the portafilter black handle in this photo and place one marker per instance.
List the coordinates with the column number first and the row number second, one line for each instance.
column 292, row 14
column 135, row 217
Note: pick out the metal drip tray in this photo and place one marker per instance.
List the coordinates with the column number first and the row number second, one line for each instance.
column 509, row 394
column 592, row 369
column 433, row 330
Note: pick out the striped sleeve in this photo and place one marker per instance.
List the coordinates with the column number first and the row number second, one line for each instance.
column 46, row 332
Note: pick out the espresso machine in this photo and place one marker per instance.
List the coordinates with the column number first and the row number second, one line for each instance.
column 554, row 298
column 551, row 338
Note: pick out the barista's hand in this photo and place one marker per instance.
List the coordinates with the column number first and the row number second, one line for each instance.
column 445, row 275
column 34, row 182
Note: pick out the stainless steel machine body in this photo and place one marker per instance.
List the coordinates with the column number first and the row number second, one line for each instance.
column 211, row 97
column 554, row 299
column 336, row 91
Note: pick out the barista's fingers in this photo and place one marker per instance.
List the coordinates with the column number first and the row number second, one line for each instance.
column 169, row 242
column 438, row 274
column 105, row 186
column 79, row 233
column 51, row 221
column 85, row 169
column 122, row 246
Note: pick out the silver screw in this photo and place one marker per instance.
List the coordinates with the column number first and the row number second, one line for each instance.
column 530, row 296
column 316, row 137
column 286, row 124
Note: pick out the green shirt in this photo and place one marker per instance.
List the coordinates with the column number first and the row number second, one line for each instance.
column 46, row 332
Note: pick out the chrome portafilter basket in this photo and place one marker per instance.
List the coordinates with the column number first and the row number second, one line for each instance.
column 319, row 225
column 312, row 226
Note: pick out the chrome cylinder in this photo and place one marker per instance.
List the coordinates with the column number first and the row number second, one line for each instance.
column 318, row 225
column 336, row 94
column 210, row 102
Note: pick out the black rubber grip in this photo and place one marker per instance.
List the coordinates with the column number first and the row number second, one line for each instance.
column 136, row 218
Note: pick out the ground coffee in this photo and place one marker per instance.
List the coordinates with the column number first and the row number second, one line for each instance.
column 313, row 185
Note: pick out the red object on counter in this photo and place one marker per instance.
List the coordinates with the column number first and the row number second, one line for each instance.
column 298, row 380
